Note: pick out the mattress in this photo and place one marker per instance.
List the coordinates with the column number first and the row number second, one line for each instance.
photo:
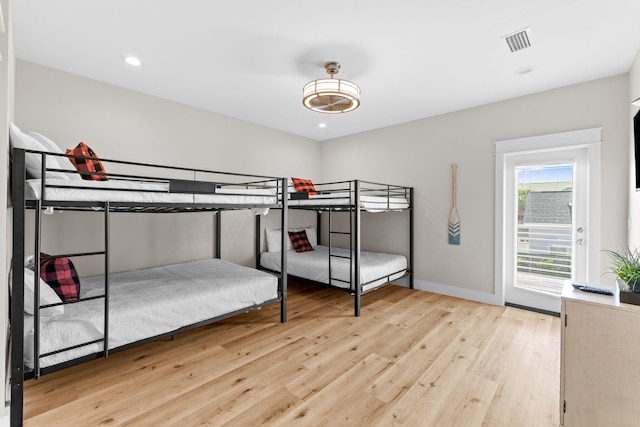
column 142, row 192
column 376, row 268
column 149, row 302
column 370, row 203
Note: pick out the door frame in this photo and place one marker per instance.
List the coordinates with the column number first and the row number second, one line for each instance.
column 591, row 140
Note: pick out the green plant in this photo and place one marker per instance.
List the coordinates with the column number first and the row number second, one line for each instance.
column 626, row 265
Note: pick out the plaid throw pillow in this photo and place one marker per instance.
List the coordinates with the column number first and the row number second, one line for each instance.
column 87, row 165
column 61, row 275
column 304, row 186
column 299, row 241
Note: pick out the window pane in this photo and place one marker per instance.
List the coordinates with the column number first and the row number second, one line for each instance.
column 544, row 231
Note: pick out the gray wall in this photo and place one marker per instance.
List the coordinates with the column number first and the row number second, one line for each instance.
column 634, row 211
column 122, row 124
column 6, row 115
column 420, row 153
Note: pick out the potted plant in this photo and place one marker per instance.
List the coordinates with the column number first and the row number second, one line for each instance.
column 626, row 266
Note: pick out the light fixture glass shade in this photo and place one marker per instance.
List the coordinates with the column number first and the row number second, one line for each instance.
column 331, row 95
column 636, row 102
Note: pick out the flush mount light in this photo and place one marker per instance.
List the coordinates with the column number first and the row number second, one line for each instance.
column 132, row 60
column 331, row 95
column 322, row 125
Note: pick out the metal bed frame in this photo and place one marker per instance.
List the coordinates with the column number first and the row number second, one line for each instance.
column 356, row 189
column 185, row 186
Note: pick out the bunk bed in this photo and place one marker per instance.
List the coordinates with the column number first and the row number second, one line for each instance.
column 116, row 311
column 341, row 263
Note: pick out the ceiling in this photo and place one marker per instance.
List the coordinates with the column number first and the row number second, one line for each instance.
column 411, row 58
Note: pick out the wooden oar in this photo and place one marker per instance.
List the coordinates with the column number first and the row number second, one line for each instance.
column 454, row 219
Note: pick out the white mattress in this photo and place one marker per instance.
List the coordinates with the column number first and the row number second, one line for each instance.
column 149, row 302
column 370, row 203
column 375, row 267
column 142, row 192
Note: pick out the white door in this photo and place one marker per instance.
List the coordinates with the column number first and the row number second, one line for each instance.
column 546, row 242
column 554, row 235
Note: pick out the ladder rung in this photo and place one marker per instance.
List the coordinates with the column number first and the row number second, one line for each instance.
column 338, row 280
column 72, row 302
column 340, row 256
column 71, row 348
column 339, row 232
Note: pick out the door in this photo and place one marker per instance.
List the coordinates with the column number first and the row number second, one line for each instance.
column 546, row 209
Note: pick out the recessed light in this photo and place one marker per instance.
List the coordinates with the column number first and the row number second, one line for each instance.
column 524, row 70
column 132, row 60
column 322, row 125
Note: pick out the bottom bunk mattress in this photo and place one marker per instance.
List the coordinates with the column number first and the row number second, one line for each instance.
column 147, row 303
column 376, row 268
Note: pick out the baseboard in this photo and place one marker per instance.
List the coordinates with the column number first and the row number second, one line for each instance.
column 454, row 291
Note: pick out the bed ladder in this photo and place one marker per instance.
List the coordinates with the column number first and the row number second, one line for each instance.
column 354, row 246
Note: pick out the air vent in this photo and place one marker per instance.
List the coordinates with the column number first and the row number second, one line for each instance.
column 518, row 40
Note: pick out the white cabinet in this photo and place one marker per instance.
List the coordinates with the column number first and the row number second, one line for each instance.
column 600, row 361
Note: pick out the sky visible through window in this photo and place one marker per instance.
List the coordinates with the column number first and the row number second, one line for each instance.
column 534, row 175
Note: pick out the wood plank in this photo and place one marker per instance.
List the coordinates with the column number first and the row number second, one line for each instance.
column 412, row 358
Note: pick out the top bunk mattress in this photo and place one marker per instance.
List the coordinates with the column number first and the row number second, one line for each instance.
column 147, row 303
column 370, row 203
column 134, row 191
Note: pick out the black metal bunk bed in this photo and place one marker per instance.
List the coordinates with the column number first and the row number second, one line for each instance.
column 168, row 194
column 352, row 197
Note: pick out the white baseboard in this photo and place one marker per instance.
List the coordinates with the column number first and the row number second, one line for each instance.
column 454, row 291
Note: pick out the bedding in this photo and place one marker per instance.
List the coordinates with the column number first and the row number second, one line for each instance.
column 147, row 303
column 375, row 267
column 370, row 203
column 141, row 192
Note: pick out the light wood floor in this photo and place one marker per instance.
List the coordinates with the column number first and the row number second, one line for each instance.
column 412, row 358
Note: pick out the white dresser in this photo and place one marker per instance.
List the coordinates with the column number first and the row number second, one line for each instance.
column 600, row 360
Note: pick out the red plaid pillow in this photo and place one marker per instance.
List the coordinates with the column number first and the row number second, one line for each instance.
column 299, row 241
column 87, row 165
column 304, row 186
column 61, row 275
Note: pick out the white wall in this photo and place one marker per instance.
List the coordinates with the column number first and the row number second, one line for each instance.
column 634, row 210
column 6, row 114
column 420, row 154
column 122, row 124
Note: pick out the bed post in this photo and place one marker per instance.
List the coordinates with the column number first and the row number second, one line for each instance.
column 356, row 270
column 18, row 176
column 218, row 215
column 411, row 242
column 319, row 226
column 284, row 236
column 257, row 242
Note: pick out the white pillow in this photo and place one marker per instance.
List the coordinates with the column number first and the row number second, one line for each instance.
column 56, row 162
column 22, row 140
column 47, row 296
column 273, row 238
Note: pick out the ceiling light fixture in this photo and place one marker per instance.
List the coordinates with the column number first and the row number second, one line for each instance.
column 322, row 125
column 636, row 102
column 331, row 95
column 132, row 60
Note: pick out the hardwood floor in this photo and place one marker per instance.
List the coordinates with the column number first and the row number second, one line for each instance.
column 413, row 358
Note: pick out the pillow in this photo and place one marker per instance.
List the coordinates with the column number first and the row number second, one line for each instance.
column 273, row 238
column 61, row 275
column 47, row 296
column 300, row 241
column 304, row 186
column 33, row 162
column 56, row 162
column 87, row 165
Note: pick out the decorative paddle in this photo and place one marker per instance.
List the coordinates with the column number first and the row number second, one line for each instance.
column 454, row 219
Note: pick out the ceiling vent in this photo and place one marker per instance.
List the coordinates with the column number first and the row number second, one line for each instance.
column 518, row 40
